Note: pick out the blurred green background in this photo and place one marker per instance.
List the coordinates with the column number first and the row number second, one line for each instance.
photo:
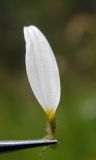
column 70, row 27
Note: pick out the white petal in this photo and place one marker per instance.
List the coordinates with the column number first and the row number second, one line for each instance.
column 42, row 68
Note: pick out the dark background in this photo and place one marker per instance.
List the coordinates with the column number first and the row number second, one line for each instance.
column 70, row 27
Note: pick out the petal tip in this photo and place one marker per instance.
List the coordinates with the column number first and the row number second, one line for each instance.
column 27, row 30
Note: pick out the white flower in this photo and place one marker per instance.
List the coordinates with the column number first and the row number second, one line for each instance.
column 42, row 70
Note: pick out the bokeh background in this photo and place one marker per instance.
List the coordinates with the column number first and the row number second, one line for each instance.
column 70, row 27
